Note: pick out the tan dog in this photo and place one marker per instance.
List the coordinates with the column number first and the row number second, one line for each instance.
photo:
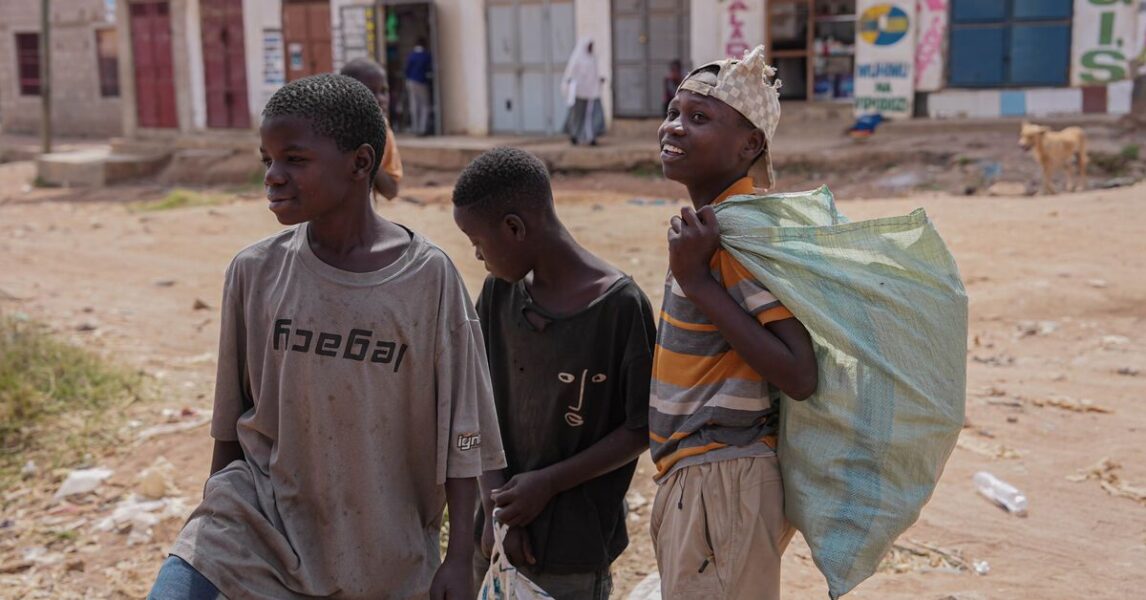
column 1053, row 150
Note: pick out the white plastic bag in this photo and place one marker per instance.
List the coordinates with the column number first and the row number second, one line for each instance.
column 503, row 581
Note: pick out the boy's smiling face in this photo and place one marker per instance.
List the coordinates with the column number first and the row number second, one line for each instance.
column 704, row 139
column 307, row 175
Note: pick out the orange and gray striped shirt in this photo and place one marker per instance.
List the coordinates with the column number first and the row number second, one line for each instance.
column 707, row 404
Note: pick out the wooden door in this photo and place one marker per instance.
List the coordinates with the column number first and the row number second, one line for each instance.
column 154, row 74
column 306, row 32
column 224, row 64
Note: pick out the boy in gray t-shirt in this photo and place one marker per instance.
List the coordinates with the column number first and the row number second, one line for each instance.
column 353, row 399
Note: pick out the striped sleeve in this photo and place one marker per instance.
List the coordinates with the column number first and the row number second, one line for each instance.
column 749, row 293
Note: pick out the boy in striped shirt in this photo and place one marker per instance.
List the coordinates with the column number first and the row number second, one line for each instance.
column 724, row 342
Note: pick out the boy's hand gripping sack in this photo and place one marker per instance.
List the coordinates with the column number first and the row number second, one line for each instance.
column 503, row 581
column 887, row 313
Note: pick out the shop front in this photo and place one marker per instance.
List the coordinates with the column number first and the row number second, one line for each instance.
column 813, row 45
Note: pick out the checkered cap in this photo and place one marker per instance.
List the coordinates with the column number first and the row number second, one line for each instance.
column 748, row 85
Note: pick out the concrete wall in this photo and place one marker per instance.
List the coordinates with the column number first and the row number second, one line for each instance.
column 196, row 89
column 258, row 16
column 78, row 109
column 704, row 31
column 461, row 62
column 1111, row 99
column 595, row 19
column 461, row 66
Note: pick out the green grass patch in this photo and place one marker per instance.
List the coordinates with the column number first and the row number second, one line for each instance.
column 647, row 170
column 1130, row 152
column 256, row 178
column 58, row 402
column 180, row 198
column 1111, row 163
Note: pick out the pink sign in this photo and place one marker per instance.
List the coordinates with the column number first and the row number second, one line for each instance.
column 736, row 45
column 929, row 48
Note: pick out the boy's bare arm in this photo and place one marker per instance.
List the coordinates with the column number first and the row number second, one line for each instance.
column 385, row 185
column 225, row 453
column 518, row 549
column 781, row 351
column 454, row 579
column 490, row 480
column 526, row 494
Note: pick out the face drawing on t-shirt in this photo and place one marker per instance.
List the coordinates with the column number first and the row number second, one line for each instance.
column 573, row 417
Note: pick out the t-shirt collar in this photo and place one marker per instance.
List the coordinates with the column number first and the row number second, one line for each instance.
column 741, row 187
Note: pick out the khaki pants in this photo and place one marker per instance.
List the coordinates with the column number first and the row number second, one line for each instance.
column 419, row 95
column 719, row 530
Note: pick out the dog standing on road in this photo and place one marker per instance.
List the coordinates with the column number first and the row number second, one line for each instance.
column 1053, row 150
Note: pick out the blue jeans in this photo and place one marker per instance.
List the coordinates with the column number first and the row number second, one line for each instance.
column 178, row 580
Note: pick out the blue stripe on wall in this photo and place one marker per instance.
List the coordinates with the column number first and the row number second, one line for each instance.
column 1013, row 103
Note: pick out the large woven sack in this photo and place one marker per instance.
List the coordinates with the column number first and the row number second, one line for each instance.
column 887, row 313
column 503, row 581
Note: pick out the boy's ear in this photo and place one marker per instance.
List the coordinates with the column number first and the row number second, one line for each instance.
column 515, row 225
column 754, row 144
column 364, row 160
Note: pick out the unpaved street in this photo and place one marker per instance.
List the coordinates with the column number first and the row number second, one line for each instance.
column 1057, row 374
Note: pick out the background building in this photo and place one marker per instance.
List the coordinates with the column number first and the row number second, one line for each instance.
column 85, row 70
column 156, row 67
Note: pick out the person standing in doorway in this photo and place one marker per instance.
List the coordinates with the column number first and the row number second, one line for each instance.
column 672, row 82
column 581, row 87
column 418, row 67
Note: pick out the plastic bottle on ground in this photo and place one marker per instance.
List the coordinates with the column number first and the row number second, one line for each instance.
column 1001, row 493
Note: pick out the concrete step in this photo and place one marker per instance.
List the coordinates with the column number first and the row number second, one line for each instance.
column 121, row 145
column 152, row 143
column 95, row 167
column 223, row 165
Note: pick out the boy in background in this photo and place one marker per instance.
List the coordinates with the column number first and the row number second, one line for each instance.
column 352, row 402
column 718, row 522
column 672, row 82
column 373, row 76
column 570, row 340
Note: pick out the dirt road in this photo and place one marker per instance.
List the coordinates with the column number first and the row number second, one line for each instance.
column 1057, row 375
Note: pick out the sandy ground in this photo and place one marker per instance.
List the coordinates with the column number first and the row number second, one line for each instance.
column 1057, row 374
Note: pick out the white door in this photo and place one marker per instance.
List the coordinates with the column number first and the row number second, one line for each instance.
column 529, row 42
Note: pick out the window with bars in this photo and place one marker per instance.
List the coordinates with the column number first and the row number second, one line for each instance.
column 1005, row 43
column 28, row 63
column 107, row 59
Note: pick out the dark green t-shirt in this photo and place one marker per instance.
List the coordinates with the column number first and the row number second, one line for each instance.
column 558, row 390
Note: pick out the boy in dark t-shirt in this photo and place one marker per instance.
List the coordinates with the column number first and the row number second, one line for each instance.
column 570, row 341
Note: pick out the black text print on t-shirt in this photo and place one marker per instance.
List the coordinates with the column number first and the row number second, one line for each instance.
column 357, row 347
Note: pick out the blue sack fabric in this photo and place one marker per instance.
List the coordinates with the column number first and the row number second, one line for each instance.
column 887, row 313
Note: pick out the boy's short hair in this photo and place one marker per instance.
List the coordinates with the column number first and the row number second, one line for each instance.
column 361, row 67
column 504, row 180
column 338, row 107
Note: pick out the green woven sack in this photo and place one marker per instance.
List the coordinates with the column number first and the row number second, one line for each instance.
column 887, row 313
